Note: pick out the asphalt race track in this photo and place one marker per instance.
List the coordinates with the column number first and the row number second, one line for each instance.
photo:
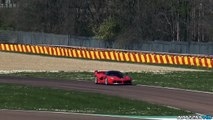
column 32, row 115
column 197, row 102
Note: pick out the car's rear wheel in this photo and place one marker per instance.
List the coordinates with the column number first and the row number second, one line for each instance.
column 96, row 80
column 106, row 81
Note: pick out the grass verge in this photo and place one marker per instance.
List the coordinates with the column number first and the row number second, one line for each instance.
column 202, row 81
column 21, row 97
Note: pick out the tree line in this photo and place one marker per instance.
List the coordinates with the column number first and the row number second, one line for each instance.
column 124, row 21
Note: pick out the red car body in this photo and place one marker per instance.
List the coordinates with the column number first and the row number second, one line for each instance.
column 111, row 78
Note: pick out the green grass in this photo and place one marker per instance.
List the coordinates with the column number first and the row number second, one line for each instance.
column 20, row 97
column 202, row 81
column 54, row 75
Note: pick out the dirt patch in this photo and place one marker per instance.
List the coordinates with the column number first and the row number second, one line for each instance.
column 24, row 62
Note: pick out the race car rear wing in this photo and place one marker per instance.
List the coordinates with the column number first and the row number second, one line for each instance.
column 98, row 72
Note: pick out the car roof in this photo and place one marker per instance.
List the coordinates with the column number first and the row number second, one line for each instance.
column 113, row 71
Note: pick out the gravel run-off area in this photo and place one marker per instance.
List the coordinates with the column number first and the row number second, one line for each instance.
column 16, row 62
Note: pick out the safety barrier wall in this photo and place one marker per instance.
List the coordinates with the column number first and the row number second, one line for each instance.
column 114, row 55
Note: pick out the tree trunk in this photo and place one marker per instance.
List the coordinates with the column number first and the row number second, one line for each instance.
column 178, row 30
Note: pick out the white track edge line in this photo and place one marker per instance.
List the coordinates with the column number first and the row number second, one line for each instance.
column 170, row 88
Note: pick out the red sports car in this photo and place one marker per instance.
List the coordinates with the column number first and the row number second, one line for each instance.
column 111, row 77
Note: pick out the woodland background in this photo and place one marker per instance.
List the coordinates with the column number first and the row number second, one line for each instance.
column 129, row 21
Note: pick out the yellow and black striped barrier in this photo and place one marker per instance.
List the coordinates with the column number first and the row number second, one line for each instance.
column 114, row 55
